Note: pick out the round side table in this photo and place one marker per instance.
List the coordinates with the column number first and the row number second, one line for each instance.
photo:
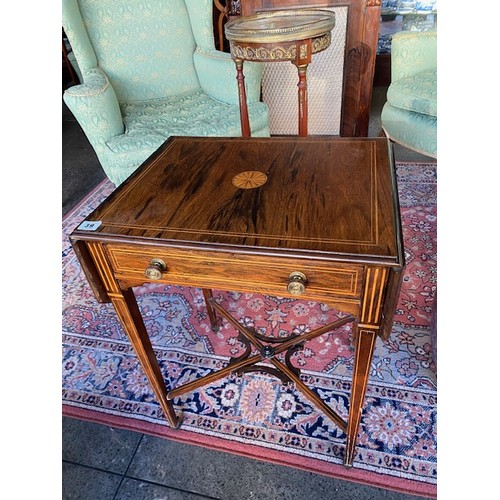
column 288, row 35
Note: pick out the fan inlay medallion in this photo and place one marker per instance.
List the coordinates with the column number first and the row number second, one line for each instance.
column 249, row 179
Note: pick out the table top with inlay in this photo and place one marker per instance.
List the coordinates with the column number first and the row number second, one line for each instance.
column 324, row 197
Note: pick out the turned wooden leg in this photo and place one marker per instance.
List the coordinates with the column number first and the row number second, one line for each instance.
column 303, row 54
column 245, row 121
column 302, row 95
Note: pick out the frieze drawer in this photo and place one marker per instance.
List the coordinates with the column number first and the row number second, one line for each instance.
column 242, row 272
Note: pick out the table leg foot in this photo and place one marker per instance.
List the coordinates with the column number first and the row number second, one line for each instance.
column 349, row 454
column 180, row 419
column 215, row 322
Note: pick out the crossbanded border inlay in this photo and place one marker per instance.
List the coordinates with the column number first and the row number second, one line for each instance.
column 374, row 217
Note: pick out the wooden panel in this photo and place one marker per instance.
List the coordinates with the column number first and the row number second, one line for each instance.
column 226, row 271
column 363, row 24
column 91, row 271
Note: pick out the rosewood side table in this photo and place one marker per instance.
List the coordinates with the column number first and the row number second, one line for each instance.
column 288, row 35
column 305, row 217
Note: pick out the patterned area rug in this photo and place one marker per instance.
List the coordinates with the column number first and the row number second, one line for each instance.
column 255, row 415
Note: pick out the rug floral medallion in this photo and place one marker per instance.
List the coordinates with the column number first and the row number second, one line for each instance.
column 397, row 436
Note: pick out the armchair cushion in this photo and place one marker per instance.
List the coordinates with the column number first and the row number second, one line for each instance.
column 416, row 93
column 415, row 131
column 409, row 117
column 149, row 123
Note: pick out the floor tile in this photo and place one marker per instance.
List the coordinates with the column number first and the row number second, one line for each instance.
column 227, row 476
column 98, row 446
column 84, row 483
column 131, row 489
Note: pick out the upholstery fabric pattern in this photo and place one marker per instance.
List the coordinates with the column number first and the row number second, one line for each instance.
column 136, row 58
column 409, row 116
column 412, row 52
column 96, row 108
column 412, row 130
column 135, row 41
column 217, row 76
column 200, row 15
column 416, row 93
column 76, row 32
column 149, row 123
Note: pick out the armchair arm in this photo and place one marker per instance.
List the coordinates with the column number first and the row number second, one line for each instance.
column 96, row 108
column 412, row 52
column 217, row 75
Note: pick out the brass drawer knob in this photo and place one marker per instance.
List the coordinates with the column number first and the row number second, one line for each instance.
column 155, row 269
column 297, row 283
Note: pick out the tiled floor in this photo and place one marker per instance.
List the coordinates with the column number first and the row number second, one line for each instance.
column 100, row 462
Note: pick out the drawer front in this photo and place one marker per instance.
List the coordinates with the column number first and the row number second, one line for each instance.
column 237, row 272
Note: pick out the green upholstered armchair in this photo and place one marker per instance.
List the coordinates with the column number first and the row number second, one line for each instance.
column 150, row 71
column 409, row 117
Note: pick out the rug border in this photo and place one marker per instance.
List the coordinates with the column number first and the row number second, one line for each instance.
column 369, row 478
